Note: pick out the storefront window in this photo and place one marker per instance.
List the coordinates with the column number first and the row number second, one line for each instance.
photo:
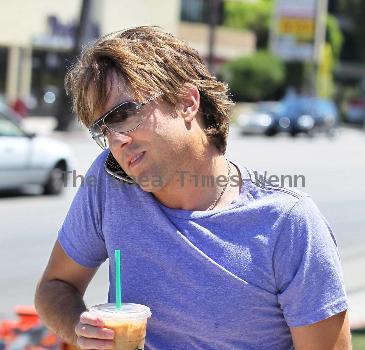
column 199, row 11
column 48, row 73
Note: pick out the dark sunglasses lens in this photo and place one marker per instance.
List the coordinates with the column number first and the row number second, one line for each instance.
column 124, row 118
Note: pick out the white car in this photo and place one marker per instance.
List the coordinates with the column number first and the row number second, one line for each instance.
column 27, row 159
column 259, row 120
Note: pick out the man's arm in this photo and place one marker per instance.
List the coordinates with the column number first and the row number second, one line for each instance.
column 59, row 293
column 330, row 334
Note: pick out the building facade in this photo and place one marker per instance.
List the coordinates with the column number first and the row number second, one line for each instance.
column 36, row 39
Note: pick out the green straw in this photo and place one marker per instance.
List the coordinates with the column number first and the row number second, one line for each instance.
column 118, row 291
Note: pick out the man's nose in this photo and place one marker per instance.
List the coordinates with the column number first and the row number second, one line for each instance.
column 117, row 140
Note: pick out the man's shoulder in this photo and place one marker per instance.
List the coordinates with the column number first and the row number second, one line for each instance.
column 273, row 190
column 288, row 206
column 278, row 204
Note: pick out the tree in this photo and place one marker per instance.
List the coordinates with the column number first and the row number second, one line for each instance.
column 253, row 78
column 354, row 10
column 250, row 15
column 334, row 37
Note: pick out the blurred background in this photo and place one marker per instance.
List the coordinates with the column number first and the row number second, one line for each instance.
column 295, row 68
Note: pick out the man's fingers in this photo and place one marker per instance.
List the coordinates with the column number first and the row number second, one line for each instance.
column 88, row 318
column 91, row 333
column 87, row 331
column 100, row 344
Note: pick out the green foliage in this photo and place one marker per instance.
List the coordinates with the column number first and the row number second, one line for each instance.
column 358, row 340
column 247, row 14
column 265, row 73
column 253, row 78
column 334, row 37
column 250, row 15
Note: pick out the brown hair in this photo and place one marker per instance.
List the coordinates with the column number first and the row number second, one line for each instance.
column 150, row 61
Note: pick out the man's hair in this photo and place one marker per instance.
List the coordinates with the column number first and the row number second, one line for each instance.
column 150, row 61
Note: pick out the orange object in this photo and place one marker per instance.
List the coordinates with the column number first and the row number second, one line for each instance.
column 28, row 317
column 49, row 340
column 27, row 323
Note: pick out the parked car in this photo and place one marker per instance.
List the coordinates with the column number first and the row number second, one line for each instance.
column 28, row 159
column 355, row 111
column 10, row 113
column 259, row 120
column 307, row 115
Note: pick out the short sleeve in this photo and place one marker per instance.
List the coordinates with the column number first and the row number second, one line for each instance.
column 307, row 267
column 80, row 234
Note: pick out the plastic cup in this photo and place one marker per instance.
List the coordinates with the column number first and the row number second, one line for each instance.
column 129, row 323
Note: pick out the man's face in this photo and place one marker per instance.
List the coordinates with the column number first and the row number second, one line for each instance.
column 161, row 146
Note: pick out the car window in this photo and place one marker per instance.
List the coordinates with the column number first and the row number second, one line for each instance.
column 8, row 128
column 327, row 108
column 297, row 107
column 267, row 107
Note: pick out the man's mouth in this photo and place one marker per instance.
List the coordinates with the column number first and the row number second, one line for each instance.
column 136, row 160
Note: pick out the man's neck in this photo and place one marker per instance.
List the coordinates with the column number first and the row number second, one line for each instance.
column 197, row 186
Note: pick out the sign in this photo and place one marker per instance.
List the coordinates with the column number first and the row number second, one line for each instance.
column 302, row 28
column 294, row 31
column 61, row 35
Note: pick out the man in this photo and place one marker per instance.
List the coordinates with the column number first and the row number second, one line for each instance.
column 222, row 262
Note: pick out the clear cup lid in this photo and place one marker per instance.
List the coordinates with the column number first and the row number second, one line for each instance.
column 128, row 311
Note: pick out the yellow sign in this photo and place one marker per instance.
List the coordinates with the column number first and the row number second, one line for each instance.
column 301, row 28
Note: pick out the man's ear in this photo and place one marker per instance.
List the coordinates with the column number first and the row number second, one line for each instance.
column 189, row 102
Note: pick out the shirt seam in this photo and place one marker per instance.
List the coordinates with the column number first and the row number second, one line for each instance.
column 71, row 251
column 280, row 232
column 275, row 188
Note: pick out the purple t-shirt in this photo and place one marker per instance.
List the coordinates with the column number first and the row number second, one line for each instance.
column 232, row 278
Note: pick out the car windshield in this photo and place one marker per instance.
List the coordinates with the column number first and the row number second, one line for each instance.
column 301, row 106
column 267, row 107
column 8, row 128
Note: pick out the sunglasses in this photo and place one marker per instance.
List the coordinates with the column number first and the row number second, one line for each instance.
column 122, row 119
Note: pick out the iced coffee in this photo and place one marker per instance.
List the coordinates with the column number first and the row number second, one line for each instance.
column 129, row 324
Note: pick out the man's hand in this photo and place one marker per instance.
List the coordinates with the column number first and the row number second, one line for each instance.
column 91, row 333
column 330, row 334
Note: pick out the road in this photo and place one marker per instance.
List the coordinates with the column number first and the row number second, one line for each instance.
column 334, row 174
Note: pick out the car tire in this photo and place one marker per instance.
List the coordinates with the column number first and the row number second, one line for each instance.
column 270, row 132
column 310, row 133
column 55, row 181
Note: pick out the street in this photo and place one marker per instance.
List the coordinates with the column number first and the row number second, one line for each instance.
column 333, row 170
